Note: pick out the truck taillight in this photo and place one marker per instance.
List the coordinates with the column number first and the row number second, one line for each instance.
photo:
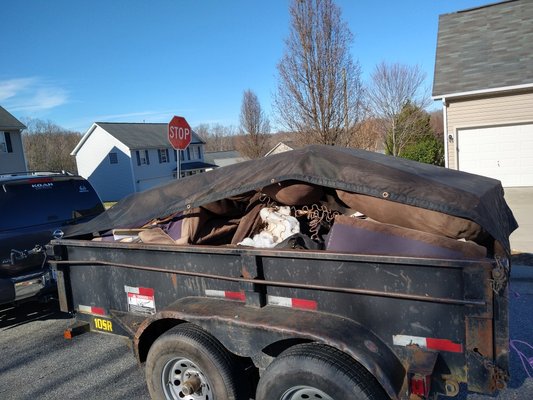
column 420, row 385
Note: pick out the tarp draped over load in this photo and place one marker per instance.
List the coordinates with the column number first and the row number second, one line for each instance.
column 472, row 197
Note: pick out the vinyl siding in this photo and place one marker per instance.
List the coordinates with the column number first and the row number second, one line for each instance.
column 489, row 111
column 13, row 161
column 111, row 181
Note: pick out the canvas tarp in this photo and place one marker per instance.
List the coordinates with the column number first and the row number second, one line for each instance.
column 476, row 198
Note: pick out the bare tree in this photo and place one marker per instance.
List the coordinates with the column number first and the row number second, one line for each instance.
column 255, row 127
column 319, row 89
column 367, row 135
column 47, row 146
column 393, row 87
column 217, row 137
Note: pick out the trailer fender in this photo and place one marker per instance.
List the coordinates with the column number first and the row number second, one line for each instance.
column 248, row 331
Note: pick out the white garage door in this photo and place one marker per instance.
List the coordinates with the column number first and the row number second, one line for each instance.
column 503, row 152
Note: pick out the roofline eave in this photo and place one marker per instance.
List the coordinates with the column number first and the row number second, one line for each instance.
column 470, row 93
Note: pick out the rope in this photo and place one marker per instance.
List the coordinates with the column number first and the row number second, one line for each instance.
column 523, row 358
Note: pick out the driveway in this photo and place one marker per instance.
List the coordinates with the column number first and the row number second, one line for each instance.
column 521, row 202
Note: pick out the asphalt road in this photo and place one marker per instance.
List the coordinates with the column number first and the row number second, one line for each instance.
column 36, row 362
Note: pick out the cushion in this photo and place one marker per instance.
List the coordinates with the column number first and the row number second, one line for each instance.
column 294, row 193
column 412, row 217
column 362, row 236
column 155, row 236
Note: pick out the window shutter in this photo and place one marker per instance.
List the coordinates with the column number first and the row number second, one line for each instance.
column 147, row 158
column 8, row 142
column 138, row 157
column 159, row 155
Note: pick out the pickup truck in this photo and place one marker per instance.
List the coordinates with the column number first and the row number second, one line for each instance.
column 320, row 273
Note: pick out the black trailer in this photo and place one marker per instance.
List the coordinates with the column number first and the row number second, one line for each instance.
column 394, row 286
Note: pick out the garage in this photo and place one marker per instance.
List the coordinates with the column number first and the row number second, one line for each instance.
column 501, row 152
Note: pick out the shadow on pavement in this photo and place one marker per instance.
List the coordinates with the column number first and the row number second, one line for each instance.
column 16, row 315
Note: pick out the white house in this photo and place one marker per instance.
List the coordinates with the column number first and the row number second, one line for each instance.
column 123, row 158
column 11, row 151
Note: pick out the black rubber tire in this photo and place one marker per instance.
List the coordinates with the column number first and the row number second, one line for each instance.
column 190, row 342
column 324, row 370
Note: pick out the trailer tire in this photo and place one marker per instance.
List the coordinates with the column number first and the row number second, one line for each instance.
column 188, row 363
column 316, row 371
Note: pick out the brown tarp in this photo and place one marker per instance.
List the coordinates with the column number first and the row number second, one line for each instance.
column 471, row 197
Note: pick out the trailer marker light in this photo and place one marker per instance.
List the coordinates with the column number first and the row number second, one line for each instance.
column 91, row 310
column 428, row 343
column 224, row 294
column 292, row 302
column 420, row 385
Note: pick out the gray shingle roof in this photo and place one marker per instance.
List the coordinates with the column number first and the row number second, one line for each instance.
column 485, row 48
column 8, row 122
column 142, row 135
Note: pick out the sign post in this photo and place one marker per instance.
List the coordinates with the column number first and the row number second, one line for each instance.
column 179, row 136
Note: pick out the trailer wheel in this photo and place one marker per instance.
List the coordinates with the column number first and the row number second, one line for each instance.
column 314, row 371
column 187, row 363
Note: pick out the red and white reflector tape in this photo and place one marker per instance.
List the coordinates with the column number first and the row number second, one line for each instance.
column 428, row 343
column 139, row 290
column 272, row 300
column 224, row 294
column 91, row 310
column 292, row 302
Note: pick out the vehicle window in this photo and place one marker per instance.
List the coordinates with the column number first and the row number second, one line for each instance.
column 43, row 201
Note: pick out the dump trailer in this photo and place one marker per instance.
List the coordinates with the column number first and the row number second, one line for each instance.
column 321, row 273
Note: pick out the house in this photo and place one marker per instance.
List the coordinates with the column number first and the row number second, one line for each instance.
column 11, row 151
column 484, row 77
column 282, row 147
column 223, row 158
column 123, row 158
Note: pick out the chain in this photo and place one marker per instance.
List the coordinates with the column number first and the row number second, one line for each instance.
column 316, row 215
column 500, row 275
column 498, row 376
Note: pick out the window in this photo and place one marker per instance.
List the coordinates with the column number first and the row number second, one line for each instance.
column 199, row 152
column 188, row 153
column 163, row 156
column 5, row 143
column 113, row 158
column 142, row 157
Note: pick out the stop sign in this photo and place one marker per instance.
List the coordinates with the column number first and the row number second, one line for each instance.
column 179, row 133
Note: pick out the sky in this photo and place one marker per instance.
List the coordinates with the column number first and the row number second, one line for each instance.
column 76, row 62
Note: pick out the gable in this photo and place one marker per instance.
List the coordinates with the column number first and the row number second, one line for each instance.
column 9, row 122
column 485, row 48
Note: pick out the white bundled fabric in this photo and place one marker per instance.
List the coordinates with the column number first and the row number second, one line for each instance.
column 280, row 225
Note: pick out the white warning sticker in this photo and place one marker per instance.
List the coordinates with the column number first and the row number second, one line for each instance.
column 140, row 300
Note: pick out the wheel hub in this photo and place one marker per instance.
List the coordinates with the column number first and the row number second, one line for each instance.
column 183, row 380
column 305, row 393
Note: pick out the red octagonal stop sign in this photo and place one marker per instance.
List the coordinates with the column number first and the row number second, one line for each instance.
column 179, row 133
